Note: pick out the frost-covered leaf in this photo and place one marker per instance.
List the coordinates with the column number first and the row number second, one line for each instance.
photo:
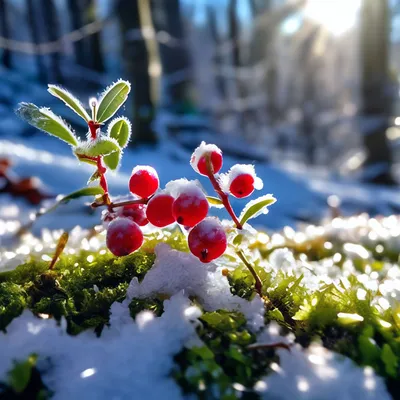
column 120, row 129
column 112, row 160
column 20, row 374
column 101, row 146
column 215, row 202
column 112, row 99
column 70, row 100
column 390, row 360
column 223, row 320
column 88, row 191
column 94, row 177
column 45, row 120
column 256, row 207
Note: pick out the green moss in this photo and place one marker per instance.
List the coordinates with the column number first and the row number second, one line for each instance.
column 210, row 372
column 151, row 304
column 81, row 288
column 12, row 302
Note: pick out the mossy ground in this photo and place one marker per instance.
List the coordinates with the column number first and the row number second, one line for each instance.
column 82, row 288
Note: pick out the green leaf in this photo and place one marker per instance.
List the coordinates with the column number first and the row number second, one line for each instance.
column 224, row 321
column 20, row 374
column 112, row 99
column 70, row 101
column 390, row 360
column 237, row 241
column 120, row 129
column 84, row 159
column 112, row 160
column 45, row 120
column 88, row 191
column 94, row 177
column 215, row 202
column 256, row 207
column 101, row 146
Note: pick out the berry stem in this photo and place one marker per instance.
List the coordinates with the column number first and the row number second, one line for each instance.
column 258, row 283
column 222, row 195
column 111, row 206
column 101, row 169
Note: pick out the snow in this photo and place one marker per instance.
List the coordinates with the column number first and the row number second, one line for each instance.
column 128, row 358
column 174, row 271
column 316, row 374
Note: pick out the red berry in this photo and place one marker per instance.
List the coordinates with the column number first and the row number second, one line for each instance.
column 198, row 159
column 136, row 212
column 123, row 236
column 207, row 240
column 190, row 208
column 159, row 210
column 216, row 161
column 242, row 186
column 144, row 181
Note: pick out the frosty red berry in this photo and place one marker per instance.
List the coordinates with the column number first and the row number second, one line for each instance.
column 123, row 236
column 159, row 210
column 199, row 158
column 207, row 240
column 144, row 181
column 190, row 208
column 136, row 212
column 242, row 186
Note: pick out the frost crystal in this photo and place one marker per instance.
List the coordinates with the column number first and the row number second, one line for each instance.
column 200, row 151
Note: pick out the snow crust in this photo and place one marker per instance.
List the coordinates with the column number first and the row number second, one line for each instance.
column 130, row 357
column 174, row 271
column 316, row 374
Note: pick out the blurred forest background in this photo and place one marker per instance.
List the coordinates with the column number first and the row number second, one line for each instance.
column 290, row 81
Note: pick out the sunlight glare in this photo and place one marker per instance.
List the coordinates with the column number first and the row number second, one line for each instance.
column 338, row 16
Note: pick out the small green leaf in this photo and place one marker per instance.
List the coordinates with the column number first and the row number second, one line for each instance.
column 112, row 99
column 45, row 120
column 120, row 129
column 94, row 177
column 112, row 160
column 215, row 202
column 88, row 191
column 256, row 207
column 84, row 159
column 101, row 146
column 390, row 360
column 20, row 374
column 70, row 101
column 237, row 241
column 224, row 321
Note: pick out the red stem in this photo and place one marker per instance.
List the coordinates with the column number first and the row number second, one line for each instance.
column 222, row 195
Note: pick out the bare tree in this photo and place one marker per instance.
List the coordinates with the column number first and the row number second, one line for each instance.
column 51, row 26
column 5, row 32
column 376, row 101
column 136, row 60
column 34, row 30
column 174, row 54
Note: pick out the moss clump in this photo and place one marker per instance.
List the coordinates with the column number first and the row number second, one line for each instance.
column 211, row 371
column 12, row 302
column 81, row 288
column 150, row 304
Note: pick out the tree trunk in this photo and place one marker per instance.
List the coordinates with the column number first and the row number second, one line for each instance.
column 96, row 60
column 52, row 28
column 220, row 81
column 174, row 53
column 136, row 59
column 376, row 101
column 76, row 13
column 33, row 26
column 5, row 32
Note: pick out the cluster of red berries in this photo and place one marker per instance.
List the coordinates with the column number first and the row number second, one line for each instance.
column 182, row 201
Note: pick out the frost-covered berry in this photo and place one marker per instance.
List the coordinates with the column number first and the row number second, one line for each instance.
column 241, row 181
column 207, row 240
column 190, row 206
column 123, row 236
column 159, row 210
column 198, row 159
column 144, row 181
column 136, row 212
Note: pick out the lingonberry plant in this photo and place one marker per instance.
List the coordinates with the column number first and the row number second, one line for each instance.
column 183, row 202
